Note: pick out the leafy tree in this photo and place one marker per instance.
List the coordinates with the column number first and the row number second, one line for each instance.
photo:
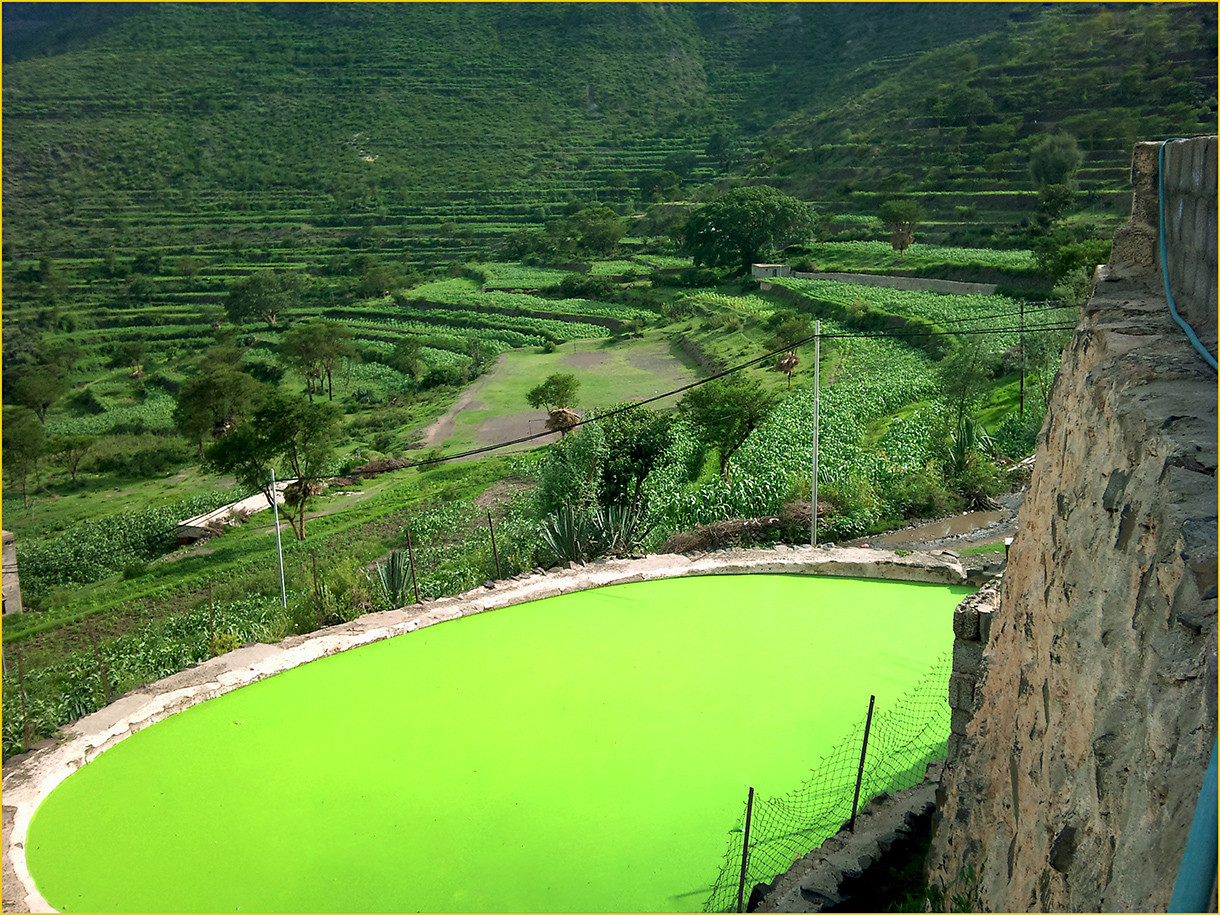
column 599, row 229
column 70, row 450
column 130, row 354
column 406, row 357
column 571, row 471
column 265, row 295
column 36, row 387
column 635, row 441
column 726, row 411
column 823, row 225
column 24, row 443
column 657, row 184
column 215, row 400
column 287, row 432
column 743, row 224
column 790, row 327
column 965, row 375
column 1068, row 254
column 380, row 279
column 557, row 392
column 1055, row 160
column 901, row 218
column 302, row 348
column 681, row 163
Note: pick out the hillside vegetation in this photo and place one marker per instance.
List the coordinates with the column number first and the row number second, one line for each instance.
column 392, row 224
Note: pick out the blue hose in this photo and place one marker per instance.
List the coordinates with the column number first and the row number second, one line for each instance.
column 1173, row 310
column 1196, row 876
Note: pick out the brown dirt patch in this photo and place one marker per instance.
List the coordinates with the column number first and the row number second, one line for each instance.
column 501, row 492
column 585, row 360
column 516, row 425
column 658, row 361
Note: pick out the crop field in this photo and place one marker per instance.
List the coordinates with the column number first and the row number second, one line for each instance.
column 999, row 315
column 869, row 256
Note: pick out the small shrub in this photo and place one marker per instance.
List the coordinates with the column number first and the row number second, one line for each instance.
column 226, row 642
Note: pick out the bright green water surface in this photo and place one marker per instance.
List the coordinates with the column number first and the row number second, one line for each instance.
column 587, row 752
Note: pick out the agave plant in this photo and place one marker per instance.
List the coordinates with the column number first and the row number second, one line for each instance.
column 562, row 532
column 579, row 537
column 392, row 579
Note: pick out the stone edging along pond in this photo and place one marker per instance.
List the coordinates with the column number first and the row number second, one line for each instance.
column 35, row 776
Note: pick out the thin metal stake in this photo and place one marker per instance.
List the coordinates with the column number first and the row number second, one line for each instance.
column 279, row 550
column 817, row 377
column 1022, row 398
column 494, row 551
column 745, row 850
column 868, row 723
column 411, row 556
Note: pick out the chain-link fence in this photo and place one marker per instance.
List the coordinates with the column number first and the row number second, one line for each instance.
column 902, row 740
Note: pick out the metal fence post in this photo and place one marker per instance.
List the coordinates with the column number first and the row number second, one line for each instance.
column 745, row 849
column 868, row 723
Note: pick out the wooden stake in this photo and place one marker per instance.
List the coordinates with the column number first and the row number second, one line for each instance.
column 494, row 551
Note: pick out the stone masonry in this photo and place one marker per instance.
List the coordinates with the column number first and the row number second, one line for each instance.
column 1084, row 704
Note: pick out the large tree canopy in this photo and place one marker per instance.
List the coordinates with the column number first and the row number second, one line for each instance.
column 901, row 217
column 284, row 432
column 726, row 411
column 744, row 224
column 266, row 295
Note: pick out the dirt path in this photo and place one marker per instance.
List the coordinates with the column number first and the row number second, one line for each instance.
column 439, row 431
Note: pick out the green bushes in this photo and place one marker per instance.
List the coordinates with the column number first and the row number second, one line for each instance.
column 71, row 686
column 94, row 549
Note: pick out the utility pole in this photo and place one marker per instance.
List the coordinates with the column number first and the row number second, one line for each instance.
column 279, row 550
column 817, row 376
column 1021, row 409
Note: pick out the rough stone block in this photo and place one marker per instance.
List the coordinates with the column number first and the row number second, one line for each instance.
column 961, row 691
column 1143, row 166
column 967, row 657
column 1209, row 166
column 986, row 618
column 966, row 623
column 959, row 718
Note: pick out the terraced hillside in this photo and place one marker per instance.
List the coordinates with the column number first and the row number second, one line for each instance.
column 954, row 126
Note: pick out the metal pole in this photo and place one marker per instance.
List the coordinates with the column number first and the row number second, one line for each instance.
column 817, row 377
column 494, row 551
column 745, row 850
column 279, row 549
column 411, row 556
column 1021, row 411
column 868, row 723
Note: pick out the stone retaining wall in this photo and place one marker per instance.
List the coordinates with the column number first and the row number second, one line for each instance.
column 29, row 779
